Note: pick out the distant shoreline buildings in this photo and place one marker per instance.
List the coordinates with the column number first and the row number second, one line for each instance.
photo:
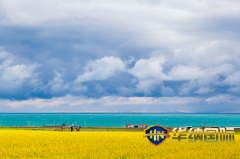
column 138, row 126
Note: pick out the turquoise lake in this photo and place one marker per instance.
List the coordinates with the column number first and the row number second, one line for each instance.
column 118, row 119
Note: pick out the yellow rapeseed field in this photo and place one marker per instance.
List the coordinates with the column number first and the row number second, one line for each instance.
column 53, row 144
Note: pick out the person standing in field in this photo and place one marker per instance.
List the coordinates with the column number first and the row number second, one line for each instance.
column 63, row 126
column 78, row 127
column 72, row 127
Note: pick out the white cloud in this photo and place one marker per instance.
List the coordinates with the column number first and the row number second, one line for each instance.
column 185, row 73
column 6, row 55
column 233, row 79
column 208, row 53
column 70, row 100
column 204, row 90
column 130, row 60
column 193, row 72
column 39, row 103
column 99, row 88
column 230, row 112
column 145, row 69
column 78, row 88
column 234, row 89
column 14, row 76
column 186, row 88
column 101, row 69
column 166, row 91
column 57, row 84
column 223, row 98
column 111, row 101
column 125, row 91
column 148, row 72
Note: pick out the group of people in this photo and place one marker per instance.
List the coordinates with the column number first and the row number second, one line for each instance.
column 72, row 127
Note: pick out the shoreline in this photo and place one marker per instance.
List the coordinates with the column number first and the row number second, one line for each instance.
column 85, row 129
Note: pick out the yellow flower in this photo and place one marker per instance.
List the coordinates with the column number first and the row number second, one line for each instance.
column 53, row 144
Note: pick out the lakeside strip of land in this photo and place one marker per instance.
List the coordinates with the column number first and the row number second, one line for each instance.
column 58, row 128
column 68, row 128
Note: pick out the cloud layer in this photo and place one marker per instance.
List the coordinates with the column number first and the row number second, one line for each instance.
column 122, row 50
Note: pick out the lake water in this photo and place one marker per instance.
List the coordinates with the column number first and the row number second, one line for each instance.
column 118, row 119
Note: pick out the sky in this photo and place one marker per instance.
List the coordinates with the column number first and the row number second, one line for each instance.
column 120, row 56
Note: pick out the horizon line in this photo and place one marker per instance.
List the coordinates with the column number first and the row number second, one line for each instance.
column 142, row 112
